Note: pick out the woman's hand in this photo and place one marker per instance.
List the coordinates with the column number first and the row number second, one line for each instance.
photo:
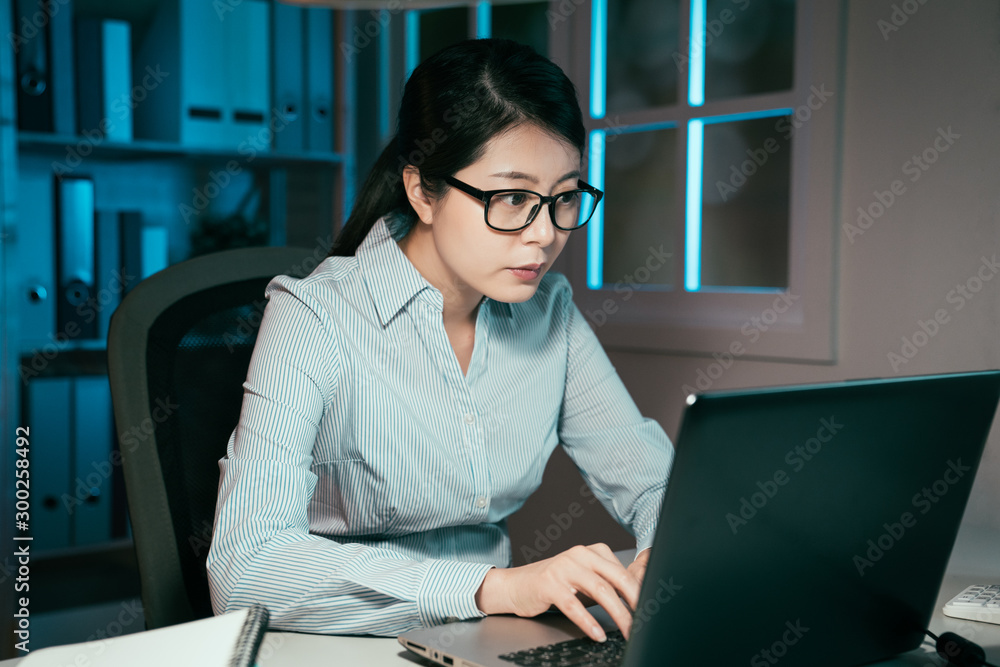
column 560, row 581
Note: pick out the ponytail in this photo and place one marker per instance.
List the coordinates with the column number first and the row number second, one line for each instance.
column 381, row 194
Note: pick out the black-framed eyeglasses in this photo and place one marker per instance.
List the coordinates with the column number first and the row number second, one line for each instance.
column 512, row 210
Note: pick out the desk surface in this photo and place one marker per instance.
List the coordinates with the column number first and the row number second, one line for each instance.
column 974, row 560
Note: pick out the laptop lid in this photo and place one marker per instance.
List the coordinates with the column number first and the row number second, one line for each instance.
column 806, row 525
column 812, row 524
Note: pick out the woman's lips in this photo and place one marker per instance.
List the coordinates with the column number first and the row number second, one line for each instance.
column 527, row 272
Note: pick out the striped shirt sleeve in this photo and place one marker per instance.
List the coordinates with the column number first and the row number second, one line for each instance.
column 262, row 550
column 624, row 457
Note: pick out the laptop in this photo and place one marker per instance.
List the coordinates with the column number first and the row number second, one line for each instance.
column 806, row 525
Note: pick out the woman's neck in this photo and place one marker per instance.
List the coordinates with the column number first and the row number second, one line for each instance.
column 461, row 301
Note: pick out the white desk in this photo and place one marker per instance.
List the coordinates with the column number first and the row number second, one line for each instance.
column 976, row 559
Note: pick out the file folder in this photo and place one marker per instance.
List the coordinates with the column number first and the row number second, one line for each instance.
column 248, row 44
column 75, row 234
column 93, row 438
column 34, row 86
column 49, row 404
column 104, row 62
column 319, row 68
column 288, row 74
column 63, row 69
column 218, row 91
column 144, row 248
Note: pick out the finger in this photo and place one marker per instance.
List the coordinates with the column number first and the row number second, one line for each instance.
column 604, row 594
column 611, row 571
column 605, row 552
column 575, row 611
column 638, row 571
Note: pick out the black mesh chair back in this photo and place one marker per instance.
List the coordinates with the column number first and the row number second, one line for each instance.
column 178, row 351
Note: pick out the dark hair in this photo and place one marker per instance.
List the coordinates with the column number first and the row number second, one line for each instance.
column 453, row 104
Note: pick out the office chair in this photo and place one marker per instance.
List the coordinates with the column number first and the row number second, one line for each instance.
column 179, row 346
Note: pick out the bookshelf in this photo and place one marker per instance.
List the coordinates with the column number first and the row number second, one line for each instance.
column 57, row 383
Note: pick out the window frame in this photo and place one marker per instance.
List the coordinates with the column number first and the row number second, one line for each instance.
column 793, row 324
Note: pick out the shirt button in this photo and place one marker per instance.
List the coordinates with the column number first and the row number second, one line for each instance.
column 469, row 418
column 480, row 502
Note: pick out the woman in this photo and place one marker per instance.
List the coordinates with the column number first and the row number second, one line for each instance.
column 403, row 399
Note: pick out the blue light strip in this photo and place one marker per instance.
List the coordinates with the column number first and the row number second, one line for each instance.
column 692, row 218
column 696, row 78
column 598, row 57
column 384, row 77
column 747, row 115
column 484, row 20
column 595, row 228
column 412, row 41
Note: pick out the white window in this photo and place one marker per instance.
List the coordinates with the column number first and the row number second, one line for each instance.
column 712, row 128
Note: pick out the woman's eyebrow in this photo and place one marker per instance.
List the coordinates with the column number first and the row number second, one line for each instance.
column 521, row 176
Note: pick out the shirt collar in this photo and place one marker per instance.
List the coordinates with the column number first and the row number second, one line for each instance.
column 392, row 279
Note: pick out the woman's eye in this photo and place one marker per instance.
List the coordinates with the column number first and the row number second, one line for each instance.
column 513, row 198
column 568, row 198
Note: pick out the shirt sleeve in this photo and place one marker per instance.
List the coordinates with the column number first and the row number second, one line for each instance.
column 624, row 457
column 262, row 550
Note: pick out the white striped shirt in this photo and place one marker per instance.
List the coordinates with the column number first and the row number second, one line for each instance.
column 367, row 484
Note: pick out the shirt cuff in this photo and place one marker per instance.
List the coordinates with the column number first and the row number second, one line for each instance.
column 646, row 541
column 448, row 592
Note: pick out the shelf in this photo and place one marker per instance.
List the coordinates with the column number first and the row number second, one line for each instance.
column 65, row 146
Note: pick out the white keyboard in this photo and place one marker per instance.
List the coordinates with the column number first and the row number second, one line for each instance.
column 976, row 603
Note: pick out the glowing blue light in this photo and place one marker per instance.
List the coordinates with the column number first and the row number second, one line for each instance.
column 598, row 57
column 484, row 20
column 595, row 228
column 692, row 218
column 384, row 77
column 412, row 41
column 746, row 115
column 696, row 78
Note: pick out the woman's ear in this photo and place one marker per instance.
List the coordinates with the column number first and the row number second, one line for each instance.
column 415, row 193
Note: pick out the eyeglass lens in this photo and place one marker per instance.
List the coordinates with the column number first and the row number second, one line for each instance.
column 512, row 210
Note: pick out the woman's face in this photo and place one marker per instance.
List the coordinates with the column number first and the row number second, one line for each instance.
column 479, row 260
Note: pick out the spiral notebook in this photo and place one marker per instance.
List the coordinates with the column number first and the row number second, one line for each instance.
column 229, row 640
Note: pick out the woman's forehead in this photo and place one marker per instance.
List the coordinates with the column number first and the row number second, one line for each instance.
column 529, row 150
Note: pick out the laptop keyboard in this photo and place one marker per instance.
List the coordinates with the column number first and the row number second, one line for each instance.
column 583, row 651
